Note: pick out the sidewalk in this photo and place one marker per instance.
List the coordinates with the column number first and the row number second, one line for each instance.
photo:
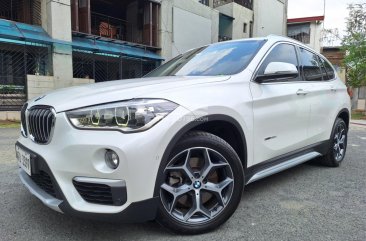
column 359, row 122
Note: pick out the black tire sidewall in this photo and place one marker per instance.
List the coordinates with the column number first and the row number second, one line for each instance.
column 330, row 155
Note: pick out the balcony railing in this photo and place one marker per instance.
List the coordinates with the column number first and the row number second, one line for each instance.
column 110, row 27
column 244, row 3
column 115, row 28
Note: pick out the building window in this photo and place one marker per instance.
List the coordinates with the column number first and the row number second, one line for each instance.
column 130, row 21
column 205, row 2
column 250, row 29
column 300, row 32
column 24, row 11
column 245, row 28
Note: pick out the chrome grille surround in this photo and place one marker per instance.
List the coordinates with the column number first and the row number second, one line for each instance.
column 23, row 119
column 40, row 123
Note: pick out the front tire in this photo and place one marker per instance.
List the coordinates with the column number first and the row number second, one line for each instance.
column 338, row 145
column 203, row 184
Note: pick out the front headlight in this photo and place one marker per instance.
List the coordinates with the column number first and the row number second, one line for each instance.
column 126, row 116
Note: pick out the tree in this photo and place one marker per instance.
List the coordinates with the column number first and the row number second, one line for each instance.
column 354, row 45
column 331, row 37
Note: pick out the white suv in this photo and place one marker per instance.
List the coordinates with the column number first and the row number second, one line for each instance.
column 180, row 144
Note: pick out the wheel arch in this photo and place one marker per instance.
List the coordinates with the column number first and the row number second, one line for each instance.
column 211, row 124
column 345, row 116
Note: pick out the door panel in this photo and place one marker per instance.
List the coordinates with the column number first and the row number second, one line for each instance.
column 322, row 109
column 323, row 97
column 281, row 108
column 280, row 119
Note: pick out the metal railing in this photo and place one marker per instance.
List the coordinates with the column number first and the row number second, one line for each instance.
column 106, row 67
column 16, row 62
column 110, row 27
column 244, row 3
column 116, row 28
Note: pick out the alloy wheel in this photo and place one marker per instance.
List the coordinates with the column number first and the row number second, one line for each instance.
column 198, row 185
column 339, row 145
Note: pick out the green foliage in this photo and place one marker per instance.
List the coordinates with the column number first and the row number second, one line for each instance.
column 11, row 89
column 354, row 44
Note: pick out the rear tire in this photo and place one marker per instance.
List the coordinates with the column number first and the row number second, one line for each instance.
column 338, row 145
column 203, row 184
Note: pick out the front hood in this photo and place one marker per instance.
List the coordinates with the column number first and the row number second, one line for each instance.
column 93, row 94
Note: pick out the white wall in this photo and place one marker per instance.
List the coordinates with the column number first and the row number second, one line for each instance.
column 190, row 31
column 56, row 20
column 185, row 25
column 39, row 85
column 270, row 17
column 241, row 15
column 315, row 36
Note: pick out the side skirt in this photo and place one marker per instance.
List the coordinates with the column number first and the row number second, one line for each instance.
column 286, row 161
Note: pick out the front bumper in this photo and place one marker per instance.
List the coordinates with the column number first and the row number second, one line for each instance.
column 46, row 198
column 80, row 153
column 136, row 212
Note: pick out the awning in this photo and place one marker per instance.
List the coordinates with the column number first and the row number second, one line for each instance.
column 23, row 32
column 95, row 45
column 10, row 30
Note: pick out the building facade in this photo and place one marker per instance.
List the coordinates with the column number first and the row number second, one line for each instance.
column 192, row 23
column 307, row 30
column 51, row 44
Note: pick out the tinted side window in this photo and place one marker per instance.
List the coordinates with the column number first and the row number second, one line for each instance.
column 310, row 66
column 328, row 69
column 281, row 53
column 322, row 67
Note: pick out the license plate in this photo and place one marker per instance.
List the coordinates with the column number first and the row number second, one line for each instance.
column 23, row 158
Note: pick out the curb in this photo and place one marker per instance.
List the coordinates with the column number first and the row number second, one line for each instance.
column 360, row 124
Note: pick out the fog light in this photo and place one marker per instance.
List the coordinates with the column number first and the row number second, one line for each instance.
column 111, row 159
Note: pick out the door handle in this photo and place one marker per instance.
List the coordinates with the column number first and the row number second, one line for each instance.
column 333, row 89
column 302, row 92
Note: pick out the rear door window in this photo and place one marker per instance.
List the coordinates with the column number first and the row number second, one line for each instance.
column 328, row 68
column 310, row 66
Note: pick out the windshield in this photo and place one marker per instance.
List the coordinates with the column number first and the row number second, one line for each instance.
column 219, row 59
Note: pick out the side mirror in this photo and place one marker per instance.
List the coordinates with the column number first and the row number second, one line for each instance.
column 278, row 71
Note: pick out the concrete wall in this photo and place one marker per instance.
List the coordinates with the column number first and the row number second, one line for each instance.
column 56, row 20
column 270, row 17
column 315, row 36
column 39, row 85
column 241, row 15
column 186, row 36
column 361, row 104
column 10, row 115
column 196, row 25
